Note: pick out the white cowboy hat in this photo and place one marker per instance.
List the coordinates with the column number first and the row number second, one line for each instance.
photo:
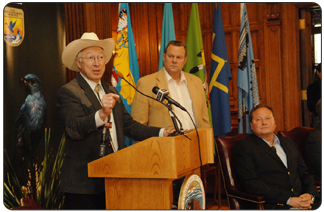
column 87, row 39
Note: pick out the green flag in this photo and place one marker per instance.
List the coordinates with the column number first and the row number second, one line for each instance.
column 195, row 52
column 195, row 49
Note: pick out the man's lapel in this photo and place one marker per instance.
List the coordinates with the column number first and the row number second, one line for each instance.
column 265, row 147
column 193, row 94
column 89, row 92
column 287, row 149
column 160, row 80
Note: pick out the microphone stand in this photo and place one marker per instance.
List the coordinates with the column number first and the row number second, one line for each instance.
column 173, row 116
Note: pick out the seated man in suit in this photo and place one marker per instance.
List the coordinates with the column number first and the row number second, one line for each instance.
column 94, row 119
column 272, row 166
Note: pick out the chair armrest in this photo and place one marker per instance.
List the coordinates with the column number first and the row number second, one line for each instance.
column 246, row 196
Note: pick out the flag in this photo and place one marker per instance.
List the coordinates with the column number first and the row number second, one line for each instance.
column 248, row 93
column 195, row 50
column 167, row 31
column 220, row 75
column 125, row 60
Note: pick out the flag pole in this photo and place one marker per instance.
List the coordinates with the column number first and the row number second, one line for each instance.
column 243, row 111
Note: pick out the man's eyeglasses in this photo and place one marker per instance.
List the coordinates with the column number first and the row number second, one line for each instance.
column 93, row 58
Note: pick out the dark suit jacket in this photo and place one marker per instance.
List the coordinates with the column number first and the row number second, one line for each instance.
column 77, row 105
column 313, row 152
column 313, row 95
column 262, row 172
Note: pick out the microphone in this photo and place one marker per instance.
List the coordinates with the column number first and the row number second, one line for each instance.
column 163, row 94
column 160, row 95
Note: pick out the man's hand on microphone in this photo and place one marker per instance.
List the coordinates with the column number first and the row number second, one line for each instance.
column 108, row 103
column 167, row 132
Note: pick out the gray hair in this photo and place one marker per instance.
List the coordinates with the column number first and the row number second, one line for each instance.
column 79, row 56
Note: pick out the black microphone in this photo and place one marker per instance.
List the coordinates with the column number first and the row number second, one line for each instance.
column 163, row 94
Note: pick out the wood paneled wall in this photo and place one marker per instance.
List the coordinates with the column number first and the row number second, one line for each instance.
column 274, row 32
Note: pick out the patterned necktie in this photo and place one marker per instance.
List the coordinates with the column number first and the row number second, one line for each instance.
column 97, row 90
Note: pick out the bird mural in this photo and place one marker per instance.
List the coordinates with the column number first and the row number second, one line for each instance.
column 30, row 126
column 11, row 26
column 30, row 121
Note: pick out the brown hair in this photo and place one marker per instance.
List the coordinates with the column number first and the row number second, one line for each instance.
column 260, row 106
column 176, row 43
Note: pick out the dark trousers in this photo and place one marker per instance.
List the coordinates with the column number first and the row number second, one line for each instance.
column 84, row 201
column 176, row 188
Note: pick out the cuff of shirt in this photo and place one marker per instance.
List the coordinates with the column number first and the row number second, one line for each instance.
column 288, row 201
column 161, row 132
column 98, row 120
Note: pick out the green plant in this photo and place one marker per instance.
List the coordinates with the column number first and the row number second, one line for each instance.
column 12, row 190
column 47, row 179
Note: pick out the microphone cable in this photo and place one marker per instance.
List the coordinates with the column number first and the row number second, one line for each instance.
column 201, row 165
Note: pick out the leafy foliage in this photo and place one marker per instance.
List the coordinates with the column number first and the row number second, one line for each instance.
column 47, row 179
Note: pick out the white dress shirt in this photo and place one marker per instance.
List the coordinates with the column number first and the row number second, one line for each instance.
column 180, row 93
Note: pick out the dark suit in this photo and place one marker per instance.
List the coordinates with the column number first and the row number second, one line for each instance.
column 313, row 152
column 77, row 105
column 262, row 172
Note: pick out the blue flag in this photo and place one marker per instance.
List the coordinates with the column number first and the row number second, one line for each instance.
column 248, row 93
column 220, row 75
column 167, row 31
column 125, row 60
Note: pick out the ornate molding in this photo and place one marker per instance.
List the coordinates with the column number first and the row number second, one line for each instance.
column 273, row 11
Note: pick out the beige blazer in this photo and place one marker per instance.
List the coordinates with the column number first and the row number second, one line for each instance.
column 152, row 113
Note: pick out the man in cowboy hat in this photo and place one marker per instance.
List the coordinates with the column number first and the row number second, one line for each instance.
column 86, row 105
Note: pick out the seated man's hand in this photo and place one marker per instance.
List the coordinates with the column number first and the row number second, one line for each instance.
column 304, row 201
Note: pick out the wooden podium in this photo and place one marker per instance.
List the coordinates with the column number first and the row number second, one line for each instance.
column 140, row 176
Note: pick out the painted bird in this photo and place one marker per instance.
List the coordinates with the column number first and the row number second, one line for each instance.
column 11, row 26
column 31, row 118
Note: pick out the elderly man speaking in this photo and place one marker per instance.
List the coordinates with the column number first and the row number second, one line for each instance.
column 94, row 119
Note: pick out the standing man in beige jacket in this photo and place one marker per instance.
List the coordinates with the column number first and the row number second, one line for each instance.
column 183, row 87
